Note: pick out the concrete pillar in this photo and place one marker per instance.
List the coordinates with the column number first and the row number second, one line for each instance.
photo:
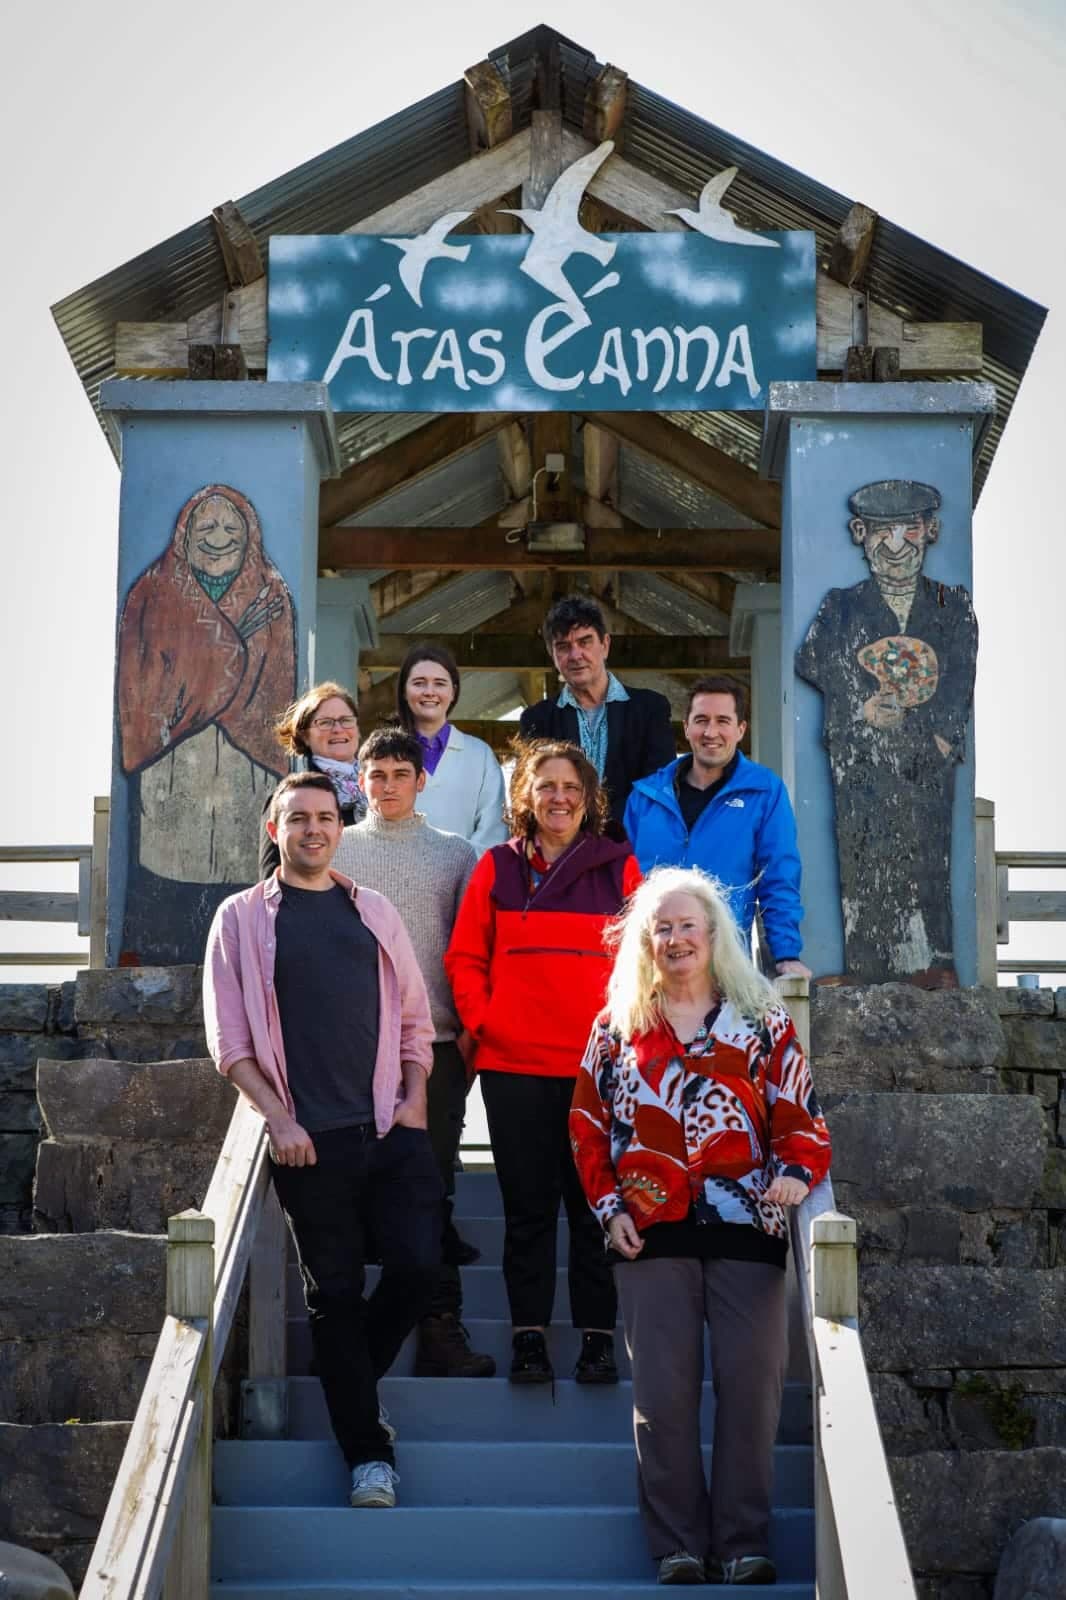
column 755, row 630
column 893, row 810
column 346, row 625
column 217, row 577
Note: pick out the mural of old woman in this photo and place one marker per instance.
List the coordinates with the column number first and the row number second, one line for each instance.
column 895, row 658
column 206, row 656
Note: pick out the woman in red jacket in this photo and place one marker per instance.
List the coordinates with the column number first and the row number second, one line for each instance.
column 529, row 973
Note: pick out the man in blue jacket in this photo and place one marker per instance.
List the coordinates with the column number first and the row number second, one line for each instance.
column 717, row 810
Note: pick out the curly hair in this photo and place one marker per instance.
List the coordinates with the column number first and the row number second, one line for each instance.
column 529, row 757
column 291, row 727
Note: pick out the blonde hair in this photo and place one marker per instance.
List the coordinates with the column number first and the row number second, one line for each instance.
column 633, row 992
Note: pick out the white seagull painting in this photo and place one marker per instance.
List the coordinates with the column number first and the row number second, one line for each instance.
column 715, row 222
column 558, row 234
column 426, row 247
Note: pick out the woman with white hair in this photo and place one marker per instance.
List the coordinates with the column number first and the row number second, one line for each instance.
column 694, row 1126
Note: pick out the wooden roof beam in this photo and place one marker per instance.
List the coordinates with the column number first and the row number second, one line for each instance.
column 605, row 105
column 703, row 463
column 504, row 652
column 405, row 461
column 488, row 106
column 240, row 251
column 754, row 550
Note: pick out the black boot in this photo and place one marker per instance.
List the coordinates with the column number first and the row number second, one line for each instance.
column 444, row 1351
column 596, row 1363
column 530, row 1362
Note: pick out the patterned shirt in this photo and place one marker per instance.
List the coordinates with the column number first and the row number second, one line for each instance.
column 592, row 722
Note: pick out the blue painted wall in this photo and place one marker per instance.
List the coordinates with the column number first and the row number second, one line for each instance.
column 273, row 447
column 828, row 458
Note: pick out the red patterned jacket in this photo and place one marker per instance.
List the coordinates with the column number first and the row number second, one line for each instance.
column 662, row 1132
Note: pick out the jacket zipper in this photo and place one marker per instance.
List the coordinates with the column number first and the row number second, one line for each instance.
column 553, row 950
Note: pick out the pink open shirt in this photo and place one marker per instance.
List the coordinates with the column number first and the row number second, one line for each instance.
column 241, row 1007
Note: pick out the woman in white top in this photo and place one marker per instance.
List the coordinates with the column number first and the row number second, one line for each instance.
column 464, row 790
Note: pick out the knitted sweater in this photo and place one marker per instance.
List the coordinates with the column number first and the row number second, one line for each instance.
column 424, row 873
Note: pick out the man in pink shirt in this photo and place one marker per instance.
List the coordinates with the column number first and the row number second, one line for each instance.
column 316, row 1009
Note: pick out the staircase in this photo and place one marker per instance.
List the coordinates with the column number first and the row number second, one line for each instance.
column 503, row 1491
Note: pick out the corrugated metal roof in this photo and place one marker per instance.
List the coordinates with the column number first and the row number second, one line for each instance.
column 184, row 274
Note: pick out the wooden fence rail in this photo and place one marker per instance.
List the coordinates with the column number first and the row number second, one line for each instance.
column 998, row 905
column 87, row 908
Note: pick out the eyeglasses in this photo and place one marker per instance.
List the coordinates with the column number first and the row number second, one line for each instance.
column 346, row 724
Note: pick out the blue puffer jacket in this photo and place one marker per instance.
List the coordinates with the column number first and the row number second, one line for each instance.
column 745, row 837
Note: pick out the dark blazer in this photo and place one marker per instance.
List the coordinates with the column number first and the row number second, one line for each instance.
column 640, row 739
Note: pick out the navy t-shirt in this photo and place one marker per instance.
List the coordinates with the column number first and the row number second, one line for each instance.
column 326, row 979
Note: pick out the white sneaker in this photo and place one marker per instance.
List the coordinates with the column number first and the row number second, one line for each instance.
column 374, row 1484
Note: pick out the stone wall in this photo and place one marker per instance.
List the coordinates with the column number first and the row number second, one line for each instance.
column 946, row 1112
column 146, row 1014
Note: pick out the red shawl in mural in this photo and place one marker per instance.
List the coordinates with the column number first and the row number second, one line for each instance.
column 186, row 661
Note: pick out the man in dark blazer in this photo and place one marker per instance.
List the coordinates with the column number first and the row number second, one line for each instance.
column 625, row 733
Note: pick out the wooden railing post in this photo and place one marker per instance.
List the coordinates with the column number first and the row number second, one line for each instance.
column 834, row 1267
column 97, row 929
column 264, row 1394
column 796, row 996
column 987, row 901
column 190, row 1298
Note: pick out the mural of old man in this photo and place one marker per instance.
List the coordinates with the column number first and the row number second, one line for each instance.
column 894, row 658
column 206, row 657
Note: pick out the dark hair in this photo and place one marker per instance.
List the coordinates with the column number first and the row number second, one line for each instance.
column 291, row 727
column 720, row 685
column 424, row 651
column 529, row 758
column 394, row 743
column 301, row 780
column 572, row 611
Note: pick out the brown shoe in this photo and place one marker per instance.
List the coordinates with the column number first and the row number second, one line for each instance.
column 444, row 1351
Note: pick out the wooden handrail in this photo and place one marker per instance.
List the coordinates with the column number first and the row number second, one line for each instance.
column 859, row 1547
column 998, row 905
column 155, row 1538
column 87, row 908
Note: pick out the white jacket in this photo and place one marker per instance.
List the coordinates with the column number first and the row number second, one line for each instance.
column 466, row 795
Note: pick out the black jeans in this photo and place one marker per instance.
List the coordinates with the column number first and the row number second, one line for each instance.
column 528, row 1120
column 447, row 1107
column 391, row 1188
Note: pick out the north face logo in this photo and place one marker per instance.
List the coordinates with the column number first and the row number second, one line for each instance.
column 737, row 802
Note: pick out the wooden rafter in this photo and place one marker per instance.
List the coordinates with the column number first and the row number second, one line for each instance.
column 612, row 549
column 605, row 105
column 479, row 651
column 404, row 461
column 240, row 250
column 488, row 106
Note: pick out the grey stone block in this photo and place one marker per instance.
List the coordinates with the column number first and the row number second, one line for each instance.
column 1060, row 1002
column 1046, row 1086
column 64, row 1012
column 56, row 1284
column 910, row 1422
column 138, row 994
column 80, row 1188
column 896, row 1028
column 968, row 1151
column 916, row 1316
column 955, row 1586
column 141, row 1041
column 57, row 1480
column 26, row 1575
column 960, row 1508
column 23, row 1007
column 932, row 1378
column 1033, row 1566
column 1036, row 1045
column 19, row 1113
column 18, row 1152
column 20, row 1053
column 1053, row 1186
column 1014, row 1002
column 169, row 1101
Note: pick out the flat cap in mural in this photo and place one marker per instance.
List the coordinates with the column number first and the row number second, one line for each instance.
column 894, row 497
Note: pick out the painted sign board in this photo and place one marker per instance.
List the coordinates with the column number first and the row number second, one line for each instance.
column 557, row 318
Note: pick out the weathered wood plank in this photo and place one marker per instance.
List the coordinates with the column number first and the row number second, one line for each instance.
column 29, row 905
column 1036, row 905
column 151, row 349
column 851, row 247
column 460, row 549
column 545, row 157
column 516, row 463
column 405, row 461
column 600, row 451
column 494, row 652
column 98, row 882
column 240, row 251
column 234, row 1200
column 488, row 107
column 605, row 105
column 713, row 469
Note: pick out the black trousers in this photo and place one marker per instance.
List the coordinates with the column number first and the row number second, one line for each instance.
column 391, row 1189
column 528, row 1126
column 447, row 1108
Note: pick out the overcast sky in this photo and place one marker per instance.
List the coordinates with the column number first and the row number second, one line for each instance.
column 120, row 125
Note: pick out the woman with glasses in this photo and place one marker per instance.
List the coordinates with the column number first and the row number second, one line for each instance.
column 321, row 729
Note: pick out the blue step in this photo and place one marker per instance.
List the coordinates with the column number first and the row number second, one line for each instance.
column 484, row 1291
column 477, row 1194
column 458, row 1544
column 491, row 1408
column 311, row 1472
column 495, row 1589
column 491, row 1335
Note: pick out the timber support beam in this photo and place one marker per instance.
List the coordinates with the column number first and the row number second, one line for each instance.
column 606, row 549
column 504, row 652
